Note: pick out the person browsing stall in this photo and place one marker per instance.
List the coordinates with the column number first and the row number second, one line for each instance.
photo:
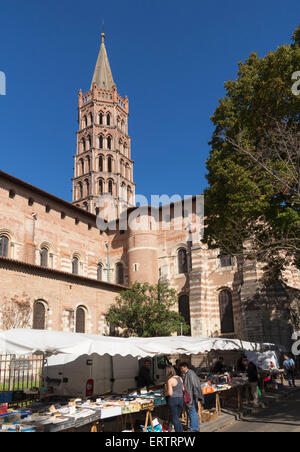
column 144, row 378
column 192, row 385
column 290, row 367
column 174, row 392
column 219, row 367
column 253, row 379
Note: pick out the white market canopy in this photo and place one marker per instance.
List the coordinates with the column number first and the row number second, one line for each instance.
column 30, row 342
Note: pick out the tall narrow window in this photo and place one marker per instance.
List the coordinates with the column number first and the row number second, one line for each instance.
column 184, row 308
column 108, row 142
column 100, row 272
column 39, row 316
column 44, row 257
column 4, row 242
column 110, row 187
column 80, row 187
column 101, row 187
column 82, row 166
column 75, row 266
column 87, row 188
column 101, row 119
column 80, row 320
column 109, row 164
column 89, row 164
column 101, row 164
column 108, row 120
column 119, row 274
column 101, row 142
column 182, row 261
column 226, row 312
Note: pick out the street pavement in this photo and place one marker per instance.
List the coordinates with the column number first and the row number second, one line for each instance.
column 282, row 416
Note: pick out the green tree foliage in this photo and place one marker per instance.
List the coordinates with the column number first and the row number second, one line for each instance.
column 245, row 199
column 146, row 311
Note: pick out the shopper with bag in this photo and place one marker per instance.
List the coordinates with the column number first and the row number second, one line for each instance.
column 175, row 391
column 192, row 385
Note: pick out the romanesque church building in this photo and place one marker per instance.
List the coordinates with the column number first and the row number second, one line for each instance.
column 53, row 253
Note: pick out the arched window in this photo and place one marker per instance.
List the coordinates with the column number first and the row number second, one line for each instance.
column 108, row 119
column 101, row 117
column 39, row 316
column 81, row 162
column 80, row 190
column 182, row 261
column 88, row 164
column 119, row 274
column 87, row 188
column 109, row 141
column 75, row 265
column 101, row 163
column 109, row 164
column 90, row 142
column 101, row 142
column 101, row 187
column 110, row 187
column 184, row 308
column 44, row 257
column 226, row 312
column 84, row 122
column 80, row 320
column 100, row 272
column 91, row 118
column 4, row 242
column 83, row 145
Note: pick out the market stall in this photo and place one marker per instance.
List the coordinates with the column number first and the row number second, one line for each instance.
column 80, row 412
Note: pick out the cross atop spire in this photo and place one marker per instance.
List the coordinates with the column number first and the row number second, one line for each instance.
column 103, row 75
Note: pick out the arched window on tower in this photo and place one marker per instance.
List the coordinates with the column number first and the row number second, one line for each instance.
column 184, row 308
column 119, row 274
column 80, row 187
column 182, row 261
column 84, row 122
column 83, row 145
column 90, row 142
column 88, row 164
column 226, row 312
column 80, row 319
column 101, row 118
column 4, row 243
column 108, row 119
column 39, row 316
column 81, row 163
column 44, row 257
column 91, row 118
column 109, row 164
column 110, row 187
column 101, row 187
column 75, row 265
column 101, row 142
column 101, row 163
column 87, row 188
column 109, row 142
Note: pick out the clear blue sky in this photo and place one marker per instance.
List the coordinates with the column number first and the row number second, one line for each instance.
column 170, row 57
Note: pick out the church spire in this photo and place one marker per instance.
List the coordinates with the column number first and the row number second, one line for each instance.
column 103, row 75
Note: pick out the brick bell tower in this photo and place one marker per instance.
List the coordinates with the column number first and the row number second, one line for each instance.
column 103, row 162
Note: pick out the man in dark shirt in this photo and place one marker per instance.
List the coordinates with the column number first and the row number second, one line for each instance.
column 253, row 380
column 144, row 378
column 219, row 367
